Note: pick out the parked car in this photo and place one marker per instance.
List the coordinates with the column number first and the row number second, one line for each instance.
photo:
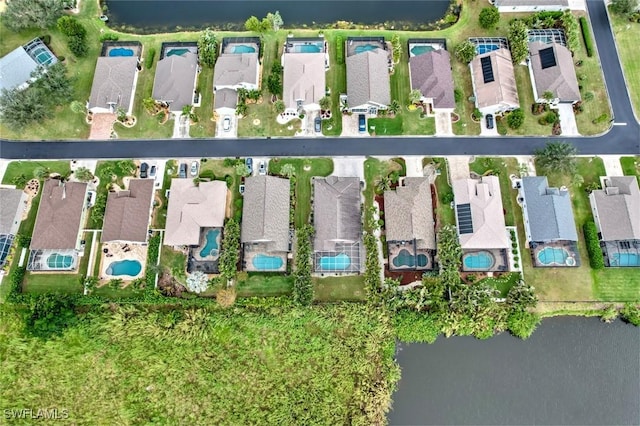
column 362, row 123
column 317, row 124
column 262, row 168
column 249, row 163
column 152, row 171
column 241, row 189
column 183, row 170
column 489, row 121
column 226, row 123
column 194, row 168
column 144, row 168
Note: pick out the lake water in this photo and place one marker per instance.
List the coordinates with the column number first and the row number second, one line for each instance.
column 571, row 371
column 169, row 14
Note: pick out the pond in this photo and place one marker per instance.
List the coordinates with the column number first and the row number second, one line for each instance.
column 229, row 14
column 570, row 371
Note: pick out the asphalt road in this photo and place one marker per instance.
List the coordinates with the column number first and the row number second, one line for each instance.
column 621, row 139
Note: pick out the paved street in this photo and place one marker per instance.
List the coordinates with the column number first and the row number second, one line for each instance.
column 621, row 139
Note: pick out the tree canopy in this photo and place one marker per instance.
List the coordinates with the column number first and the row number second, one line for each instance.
column 208, row 47
column 489, row 17
column 21, row 14
column 557, row 157
column 465, row 51
column 518, row 41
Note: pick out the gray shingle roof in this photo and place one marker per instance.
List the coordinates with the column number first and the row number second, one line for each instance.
column 408, row 213
column 59, row 215
column 16, row 68
column 236, row 68
column 336, row 211
column 126, row 217
column 618, row 207
column 113, row 82
column 559, row 79
column 11, row 207
column 549, row 210
column 304, row 78
column 431, row 74
column 368, row 78
column 225, row 98
column 175, row 80
column 265, row 212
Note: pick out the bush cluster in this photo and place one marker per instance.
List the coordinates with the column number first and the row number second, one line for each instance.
column 339, row 50
column 76, row 35
column 302, row 284
column 228, row 263
column 593, row 245
column 148, row 60
column 586, row 36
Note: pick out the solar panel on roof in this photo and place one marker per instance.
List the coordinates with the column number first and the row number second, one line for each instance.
column 465, row 224
column 487, row 69
column 547, row 58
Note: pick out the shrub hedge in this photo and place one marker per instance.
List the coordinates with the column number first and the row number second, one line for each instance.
column 339, row 50
column 586, row 36
column 593, row 245
column 148, row 60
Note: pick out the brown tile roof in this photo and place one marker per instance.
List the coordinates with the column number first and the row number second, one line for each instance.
column 559, row 79
column 431, row 74
column 265, row 212
column 368, row 78
column 113, row 82
column 126, row 217
column 59, row 215
column 175, row 80
column 192, row 208
column 618, row 208
column 408, row 213
column 502, row 91
column 304, row 78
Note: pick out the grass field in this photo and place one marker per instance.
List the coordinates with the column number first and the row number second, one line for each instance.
column 174, row 263
column 630, row 165
column 261, row 285
column 627, row 35
column 206, row 126
column 305, row 169
column 334, row 289
column 26, row 169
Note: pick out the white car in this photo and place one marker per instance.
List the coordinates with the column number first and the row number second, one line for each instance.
column 226, row 123
column 194, row 168
column 262, row 168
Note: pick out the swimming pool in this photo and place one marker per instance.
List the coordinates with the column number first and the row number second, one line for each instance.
column 366, row 48
column 624, row 259
column 405, row 258
column 124, row 267
column 263, row 262
column 211, row 246
column 178, row 52
column 478, row 261
column 42, row 56
column 121, row 51
column 419, row 50
column 244, row 49
column 555, row 256
column 484, row 48
column 307, row 48
column 59, row 261
column 339, row 262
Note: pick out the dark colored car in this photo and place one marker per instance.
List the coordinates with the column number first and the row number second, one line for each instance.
column 183, row 170
column 144, row 169
column 152, row 172
column 362, row 123
column 249, row 163
column 489, row 121
column 317, row 123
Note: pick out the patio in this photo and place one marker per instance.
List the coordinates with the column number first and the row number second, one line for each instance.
column 404, row 256
column 555, row 254
column 124, row 253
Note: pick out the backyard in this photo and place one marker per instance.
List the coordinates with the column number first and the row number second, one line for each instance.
column 444, row 212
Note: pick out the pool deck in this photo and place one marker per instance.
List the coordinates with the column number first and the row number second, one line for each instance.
column 121, row 251
column 353, row 44
column 500, row 257
column 395, row 249
column 570, row 246
column 250, row 253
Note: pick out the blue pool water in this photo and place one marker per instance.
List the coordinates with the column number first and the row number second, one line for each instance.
column 404, row 258
column 43, row 57
column 308, row 48
column 121, row 51
column 178, row 52
column 244, row 49
column 366, row 48
column 59, row 261
column 267, row 263
column 419, row 50
column 334, row 263
column 484, row 48
column 625, row 259
column 480, row 261
column 211, row 246
column 124, row 267
column 553, row 256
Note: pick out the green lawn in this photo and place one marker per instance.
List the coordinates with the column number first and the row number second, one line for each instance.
column 617, row 284
column 404, row 123
column 305, row 169
column 627, row 35
column 504, row 283
column 335, row 289
column 174, row 263
column 262, row 285
column 630, row 165
column 444, row 212
column 336, row 79
column 26, row 168
column 206, row 126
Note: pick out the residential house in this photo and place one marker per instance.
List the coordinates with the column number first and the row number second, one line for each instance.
column 304, row 75
column 551, row 70
column 57, row 237
column 17, row 66
column 430, row 73
column 410, row 225
column 616, row 210
column 12, row 202
column 337, row 244
column 114, row 84
column 368, row 88
column 238, row 65
column 127, row 215
column 225, row 102
column 176, row 76
column 494, row 82
column 481, row 228
column 549, row 226
column 265, row 223
column 192, row 208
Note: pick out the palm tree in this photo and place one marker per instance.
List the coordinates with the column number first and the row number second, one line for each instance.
column 41, row 172
column 279, row 106
column 83, row 174
column 288, row 170
column 149, row 104
column 383, row 184
column 414, row 96
column 325, row 103
column 394, row 107
column 557, row 157
column 115, row 283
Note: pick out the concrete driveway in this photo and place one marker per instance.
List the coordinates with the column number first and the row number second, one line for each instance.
column 458, row 167
column 483, row 127
column 180, row 126
column 443, row 124
column 612, row 165
column 567, row 120
column 349, row 167
column 350, row 126
column 233, row 130
column 414, row 165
